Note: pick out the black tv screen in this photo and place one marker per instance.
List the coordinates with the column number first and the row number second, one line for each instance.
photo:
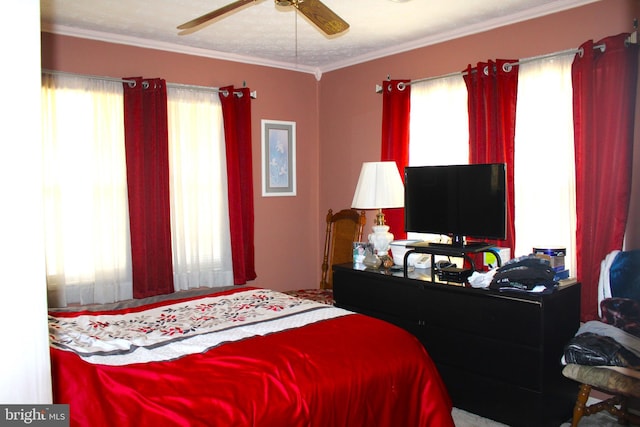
column 457, row 200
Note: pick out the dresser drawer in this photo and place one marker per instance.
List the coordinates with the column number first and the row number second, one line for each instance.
column 501, row 360
column 375, row 293
column 501, row 318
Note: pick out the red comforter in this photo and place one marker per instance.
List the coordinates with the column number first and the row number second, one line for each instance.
column 350, row 370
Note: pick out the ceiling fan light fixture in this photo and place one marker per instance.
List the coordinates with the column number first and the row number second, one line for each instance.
column 283, row 2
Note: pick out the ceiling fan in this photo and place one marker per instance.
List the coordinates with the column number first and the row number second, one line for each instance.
column 316, row 11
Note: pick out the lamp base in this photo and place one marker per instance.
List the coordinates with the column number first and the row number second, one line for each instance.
column 381, row 238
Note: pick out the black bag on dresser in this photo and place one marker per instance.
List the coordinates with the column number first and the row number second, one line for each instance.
column 524, row 273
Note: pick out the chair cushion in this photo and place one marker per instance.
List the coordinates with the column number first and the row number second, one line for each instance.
column 607, row 378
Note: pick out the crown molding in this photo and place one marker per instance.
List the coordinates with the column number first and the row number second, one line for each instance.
column 515, row 18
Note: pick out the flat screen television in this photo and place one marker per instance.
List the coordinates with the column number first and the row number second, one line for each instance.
column 457, row 200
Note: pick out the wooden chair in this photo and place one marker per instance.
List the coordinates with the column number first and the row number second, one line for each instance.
column 619, row 386
column 343, row 228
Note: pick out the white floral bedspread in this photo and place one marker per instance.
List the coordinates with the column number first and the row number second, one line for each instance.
column 177, row 329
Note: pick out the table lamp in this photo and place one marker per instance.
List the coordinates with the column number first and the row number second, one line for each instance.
column 379, row 187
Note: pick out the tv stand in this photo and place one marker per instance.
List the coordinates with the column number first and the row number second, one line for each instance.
column 469, row 247
column 450, row 250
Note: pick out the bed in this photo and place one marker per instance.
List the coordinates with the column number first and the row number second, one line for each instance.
column 242, row 356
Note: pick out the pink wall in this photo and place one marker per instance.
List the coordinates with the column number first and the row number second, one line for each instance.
column 338, row 119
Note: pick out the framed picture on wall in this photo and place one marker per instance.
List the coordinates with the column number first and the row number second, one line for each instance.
column 278, row 158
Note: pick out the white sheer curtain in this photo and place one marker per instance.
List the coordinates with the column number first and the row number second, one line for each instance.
column 88, row 256
column 199, row 208
column 544, row 158
column 439, row 129
column 439, row 126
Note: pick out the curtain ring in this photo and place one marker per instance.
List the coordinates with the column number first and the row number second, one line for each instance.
column 132, row 83
column 238, row 94
column 225, row 93
column 486, row 70
column 506, row 67
column 401, row 86
column 145, row 85
column 581, row 52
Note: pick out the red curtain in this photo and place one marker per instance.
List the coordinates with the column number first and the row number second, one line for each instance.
column 604, row 91
column 147, row 159
column 236, row 111
column 396, row 109
column 492, row 92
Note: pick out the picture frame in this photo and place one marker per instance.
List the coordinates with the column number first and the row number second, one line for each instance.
column 278, row 158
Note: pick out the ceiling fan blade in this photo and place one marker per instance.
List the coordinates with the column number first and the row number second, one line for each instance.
column 212, row 15
column 323, row 17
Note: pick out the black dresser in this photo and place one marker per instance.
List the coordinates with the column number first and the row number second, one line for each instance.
column 497, row 352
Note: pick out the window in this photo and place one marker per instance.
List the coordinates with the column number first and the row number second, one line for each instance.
column 86, row 207
column 545, row 190
column 544, row 159
column 439, row 127
column 201, row 239
column 86, row 215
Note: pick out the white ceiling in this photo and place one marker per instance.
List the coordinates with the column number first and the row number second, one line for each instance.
column 266, row 34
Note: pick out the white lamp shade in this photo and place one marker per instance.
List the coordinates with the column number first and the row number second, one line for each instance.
column 379, row 187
